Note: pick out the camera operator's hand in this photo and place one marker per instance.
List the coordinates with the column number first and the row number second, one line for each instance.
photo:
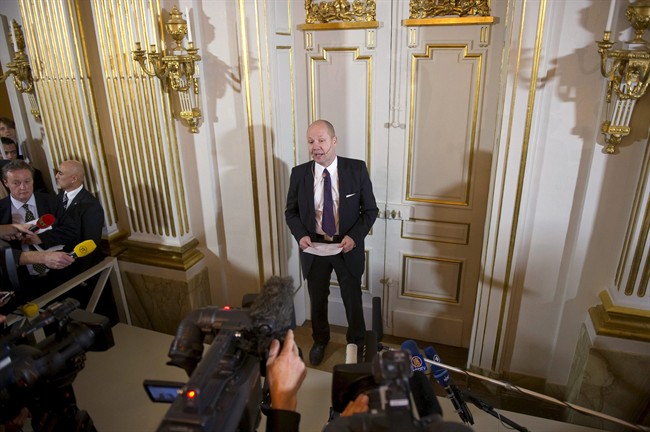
column 359, row 405
column 285, row 372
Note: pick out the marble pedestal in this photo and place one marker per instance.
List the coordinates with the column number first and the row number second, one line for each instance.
column 159, row 298
column 611, row 376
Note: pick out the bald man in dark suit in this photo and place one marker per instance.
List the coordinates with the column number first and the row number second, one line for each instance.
column 354, row 212
column 80, row 217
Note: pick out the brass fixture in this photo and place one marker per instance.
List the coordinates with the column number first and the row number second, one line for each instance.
column 340, row 10
column 177, row 68
column 21, row 71
column 627, row 72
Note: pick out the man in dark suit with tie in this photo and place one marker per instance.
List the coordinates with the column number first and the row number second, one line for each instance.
column 79, row 217
column 21, row 206
column 330, row 200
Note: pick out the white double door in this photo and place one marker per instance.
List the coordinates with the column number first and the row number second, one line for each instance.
column 418, row 105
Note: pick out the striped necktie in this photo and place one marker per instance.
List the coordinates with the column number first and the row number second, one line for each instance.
column 65, row 200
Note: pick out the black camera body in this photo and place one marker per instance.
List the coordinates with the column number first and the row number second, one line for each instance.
column 39, row 375
column 391, row 386
column 224, row 392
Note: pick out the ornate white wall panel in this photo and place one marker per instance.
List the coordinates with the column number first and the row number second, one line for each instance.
column 442, row 135
column 282, row 15
column 436, row 231
column 431, row 278
column 341, row 89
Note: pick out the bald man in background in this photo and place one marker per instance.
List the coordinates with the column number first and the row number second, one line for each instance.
column 79, row 217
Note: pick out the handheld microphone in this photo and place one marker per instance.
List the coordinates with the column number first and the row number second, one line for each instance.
column 82, row 249
column 423, row 394
column 42, row 222
column 417, row 361
column 453, row 393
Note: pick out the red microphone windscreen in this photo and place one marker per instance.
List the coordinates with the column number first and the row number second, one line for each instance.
column 42, row 222
column 45, row 221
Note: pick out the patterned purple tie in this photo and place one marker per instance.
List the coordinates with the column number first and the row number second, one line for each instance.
column 329, row 223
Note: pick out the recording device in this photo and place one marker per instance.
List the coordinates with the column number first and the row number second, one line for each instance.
column 388, row 382
column 42, row 222
column 82, row 249
column 453, row 393
column 224, row 391
column 417, row 360
column 420, row 382
column 39, row 376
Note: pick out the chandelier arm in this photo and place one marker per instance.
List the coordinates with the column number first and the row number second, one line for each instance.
column 4, row 76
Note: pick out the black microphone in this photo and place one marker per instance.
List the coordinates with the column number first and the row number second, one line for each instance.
column 453, row 393
column 272, row 312
column 421, row 388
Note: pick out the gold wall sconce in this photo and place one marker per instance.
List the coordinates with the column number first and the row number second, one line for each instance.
column 627, row 71
column 177, row 68
column 20, row 70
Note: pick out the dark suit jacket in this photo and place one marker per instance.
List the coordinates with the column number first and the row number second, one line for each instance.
column 357, row 209
column 83, row 220
column 45, row 203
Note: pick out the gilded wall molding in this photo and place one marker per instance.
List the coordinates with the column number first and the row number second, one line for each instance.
column 448, row 12
column 340, row 10
column 620, row 322
column 436, row 8
column 170, row 257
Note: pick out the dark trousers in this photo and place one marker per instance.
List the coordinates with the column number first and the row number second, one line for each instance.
column 318, row 284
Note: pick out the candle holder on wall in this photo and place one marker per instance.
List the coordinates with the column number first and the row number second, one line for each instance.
column 20, row 70
column 627, row 72
column 177, row 68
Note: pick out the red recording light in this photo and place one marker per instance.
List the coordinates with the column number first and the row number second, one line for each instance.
column 226, row 308
column 191, row 394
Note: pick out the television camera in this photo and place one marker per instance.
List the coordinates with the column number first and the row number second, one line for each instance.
column 224, row 391
column 399, row 399
column 39, row 375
